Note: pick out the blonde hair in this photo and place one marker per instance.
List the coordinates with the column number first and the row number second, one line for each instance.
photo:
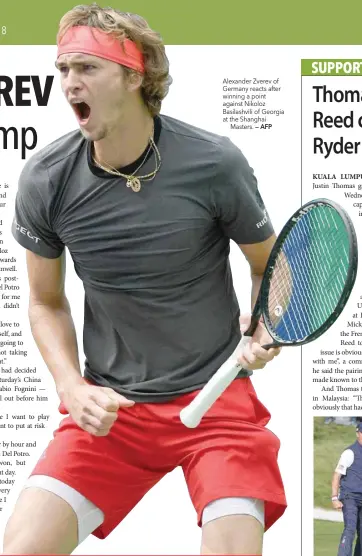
column 156, row 77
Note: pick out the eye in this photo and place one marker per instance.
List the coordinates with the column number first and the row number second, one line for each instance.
column 88, row 67
column 63, row 70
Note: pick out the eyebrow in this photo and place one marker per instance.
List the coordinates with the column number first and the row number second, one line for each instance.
column 76, row 62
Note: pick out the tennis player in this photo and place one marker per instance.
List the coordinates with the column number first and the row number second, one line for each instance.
column 347, row 495
column 147, row 206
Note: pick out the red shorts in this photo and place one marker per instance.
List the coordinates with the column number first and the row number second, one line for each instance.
column 230, row 453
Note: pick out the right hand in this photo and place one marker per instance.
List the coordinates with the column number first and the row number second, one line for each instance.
column 93, row 408
column 253, row 355
column 337, row 504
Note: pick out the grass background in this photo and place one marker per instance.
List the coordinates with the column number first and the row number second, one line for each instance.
column 329, row 443
column 327, row 535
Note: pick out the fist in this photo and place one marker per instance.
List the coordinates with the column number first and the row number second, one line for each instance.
column 93, row 408
column 337, row 504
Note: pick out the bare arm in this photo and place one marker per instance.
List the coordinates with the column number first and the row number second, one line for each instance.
column 93, row 408
column 257, row 255
column 254, row 356
column 336, row 479
column 51, row 321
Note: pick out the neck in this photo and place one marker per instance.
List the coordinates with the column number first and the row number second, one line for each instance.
column 125, row 143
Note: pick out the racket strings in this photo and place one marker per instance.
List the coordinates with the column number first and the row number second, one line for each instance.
column 295, row 268
column 319, row 281
column 334, row 268
column 321, row 254
column 298, row 308
column 309, row 274
column 304, row 302
column 322, row 260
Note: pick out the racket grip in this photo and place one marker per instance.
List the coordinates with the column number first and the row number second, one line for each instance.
column 192, row 414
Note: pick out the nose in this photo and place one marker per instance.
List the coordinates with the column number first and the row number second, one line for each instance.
column 72, row 82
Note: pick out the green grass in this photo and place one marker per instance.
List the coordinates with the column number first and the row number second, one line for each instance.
column 327, row 535
column 329, row 443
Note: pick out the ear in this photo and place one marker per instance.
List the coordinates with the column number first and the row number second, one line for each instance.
column 134, row 81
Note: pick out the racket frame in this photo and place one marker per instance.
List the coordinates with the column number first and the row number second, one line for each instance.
column 350, row 278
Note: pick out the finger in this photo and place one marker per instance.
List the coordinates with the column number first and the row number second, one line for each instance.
column 244, row 364
column 119, row 399
column 251, row 365
column 105, row 418
column 262, row 353
column 101, row 396
column 100, row 425
column 254, row 354
column 275, row 351
column 259, row 352
column 246, row 356
column 251, row 360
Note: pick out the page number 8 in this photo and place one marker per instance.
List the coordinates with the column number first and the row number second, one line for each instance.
column 3, row 30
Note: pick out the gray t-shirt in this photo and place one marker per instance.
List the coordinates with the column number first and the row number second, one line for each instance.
column 161, row 314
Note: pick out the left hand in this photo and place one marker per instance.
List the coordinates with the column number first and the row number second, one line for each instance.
column 254, row 356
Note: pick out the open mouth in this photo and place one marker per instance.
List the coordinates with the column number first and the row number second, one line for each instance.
column 82, row 111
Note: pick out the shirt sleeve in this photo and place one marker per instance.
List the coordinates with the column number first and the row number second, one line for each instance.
column 32, row 227
column 345, row 461
column 236, row 200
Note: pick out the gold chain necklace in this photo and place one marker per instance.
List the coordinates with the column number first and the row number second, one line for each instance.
column 133, row 181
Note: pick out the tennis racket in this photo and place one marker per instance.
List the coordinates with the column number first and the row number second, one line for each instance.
column 308, row 279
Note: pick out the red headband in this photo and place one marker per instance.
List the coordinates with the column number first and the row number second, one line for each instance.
column 91, row 40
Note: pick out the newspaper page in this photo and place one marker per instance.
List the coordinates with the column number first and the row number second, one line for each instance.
column 331, row 122
column 290, row 103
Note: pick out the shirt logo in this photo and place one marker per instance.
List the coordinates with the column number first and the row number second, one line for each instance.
column 26, row 232
column 262, row 222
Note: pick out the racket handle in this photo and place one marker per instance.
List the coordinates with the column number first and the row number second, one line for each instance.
column 192, row 414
